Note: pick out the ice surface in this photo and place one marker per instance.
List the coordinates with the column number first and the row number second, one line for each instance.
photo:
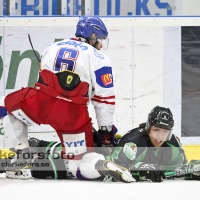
column 90, row 190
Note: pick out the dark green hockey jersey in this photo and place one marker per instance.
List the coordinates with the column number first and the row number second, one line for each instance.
column 135, row 148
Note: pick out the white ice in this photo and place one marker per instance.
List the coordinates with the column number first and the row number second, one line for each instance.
column 178, row 189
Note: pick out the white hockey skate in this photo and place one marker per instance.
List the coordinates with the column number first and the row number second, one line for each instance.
column 20, row 174
column 19, row 167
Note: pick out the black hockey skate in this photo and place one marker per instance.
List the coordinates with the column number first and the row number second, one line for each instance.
column 33, row 142
column 109, row 169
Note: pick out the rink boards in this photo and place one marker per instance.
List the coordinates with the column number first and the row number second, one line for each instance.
column 192, row 151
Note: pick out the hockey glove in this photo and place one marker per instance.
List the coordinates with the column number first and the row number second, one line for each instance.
column 194, row 168
column 149, row 172
column 106, row 139
column 106, row 136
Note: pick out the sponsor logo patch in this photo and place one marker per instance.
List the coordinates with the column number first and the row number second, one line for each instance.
column 75, row 143
column 104, row 77
column 19, row 114
column 130, row 150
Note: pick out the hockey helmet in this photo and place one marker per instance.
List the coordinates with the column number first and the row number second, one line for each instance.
column 92, row 25
column 160, row 117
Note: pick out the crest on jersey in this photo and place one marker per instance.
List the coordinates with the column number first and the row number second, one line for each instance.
column 104, row 77
column 130, row 150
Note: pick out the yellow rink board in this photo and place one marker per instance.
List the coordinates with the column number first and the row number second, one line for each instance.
column 192, row 152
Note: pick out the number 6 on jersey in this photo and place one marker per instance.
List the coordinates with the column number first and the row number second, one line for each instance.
column 66, row 59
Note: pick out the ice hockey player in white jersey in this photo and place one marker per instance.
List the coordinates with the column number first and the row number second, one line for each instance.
column 81, row 55
column 74, row 72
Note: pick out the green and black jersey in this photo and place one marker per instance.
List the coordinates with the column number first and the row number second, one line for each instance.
column 135, row 148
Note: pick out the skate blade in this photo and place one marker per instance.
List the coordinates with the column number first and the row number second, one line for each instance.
column 108, row 178
column 125, row 175
column 23, row 174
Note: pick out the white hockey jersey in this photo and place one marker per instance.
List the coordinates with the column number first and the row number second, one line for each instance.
column 92, row 66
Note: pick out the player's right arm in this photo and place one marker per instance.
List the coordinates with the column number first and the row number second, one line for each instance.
column 103, row 96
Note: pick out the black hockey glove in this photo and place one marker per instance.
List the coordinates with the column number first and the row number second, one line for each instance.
column 194, row 168
column 106, row 138
column 148, row 172
column 106, row 135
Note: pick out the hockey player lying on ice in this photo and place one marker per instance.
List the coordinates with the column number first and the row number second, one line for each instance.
column 151, row 152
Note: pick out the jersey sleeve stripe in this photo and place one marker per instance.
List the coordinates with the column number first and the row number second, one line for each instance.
column 106, row 102
column 108, row 97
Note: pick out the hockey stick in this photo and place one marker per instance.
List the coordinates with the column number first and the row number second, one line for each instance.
column 29, row 37
column 183, row 172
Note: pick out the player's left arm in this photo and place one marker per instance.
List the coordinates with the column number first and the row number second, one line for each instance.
column 178, row 159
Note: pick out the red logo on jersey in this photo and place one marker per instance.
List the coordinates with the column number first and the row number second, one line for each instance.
column 132, row 147
column 106, row 79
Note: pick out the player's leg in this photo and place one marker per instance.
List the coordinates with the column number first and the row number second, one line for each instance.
column 16, row 129
column 17, row 133
column 48, row 163
column 91, row 164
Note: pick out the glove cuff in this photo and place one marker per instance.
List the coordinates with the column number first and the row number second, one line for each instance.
column 105, row 135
